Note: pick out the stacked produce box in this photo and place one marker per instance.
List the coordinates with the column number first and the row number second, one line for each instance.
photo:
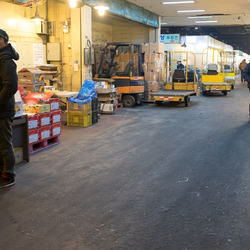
column 44, row 117
column 153, row 67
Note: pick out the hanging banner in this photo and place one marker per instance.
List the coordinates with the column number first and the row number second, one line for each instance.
column 170, row 38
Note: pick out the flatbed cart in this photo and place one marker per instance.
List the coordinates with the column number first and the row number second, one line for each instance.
column 179, row 84
column 224, row 87
column 173, row 96
column 212, row 76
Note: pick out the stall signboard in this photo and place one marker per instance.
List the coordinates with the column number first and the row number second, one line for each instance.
column 170, row 38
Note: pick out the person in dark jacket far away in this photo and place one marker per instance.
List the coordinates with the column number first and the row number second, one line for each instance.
column 8, row 88
column 246, row 75
column 242, row 66
column 180, row 65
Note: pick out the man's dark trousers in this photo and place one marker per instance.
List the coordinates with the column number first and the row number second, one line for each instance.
column 7, row 156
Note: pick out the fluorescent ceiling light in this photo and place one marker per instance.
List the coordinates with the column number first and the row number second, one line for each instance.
column 200, row 17
column 206, row 21
column 179, row 2
column 182, row 11
column 164, row 23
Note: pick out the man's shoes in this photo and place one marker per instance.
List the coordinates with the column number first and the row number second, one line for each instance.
column 7, row 180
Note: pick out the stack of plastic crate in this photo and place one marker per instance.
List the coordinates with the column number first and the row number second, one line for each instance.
column 79, row 115
column 95, row 110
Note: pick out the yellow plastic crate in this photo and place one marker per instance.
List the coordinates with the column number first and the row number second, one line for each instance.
column 78, row 119
column 84, row 108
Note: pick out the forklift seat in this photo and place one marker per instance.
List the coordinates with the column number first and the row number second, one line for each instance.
column 212, row 69
column 127, row 70
column 179, row 75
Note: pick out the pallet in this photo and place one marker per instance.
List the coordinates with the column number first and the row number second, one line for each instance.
column 118, row 106
column 35, row 147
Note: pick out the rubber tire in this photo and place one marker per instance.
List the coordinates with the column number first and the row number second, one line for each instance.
column 224, row 92
column 128, row 101
column 204, row 92
column 187, row 100
column 232, row 86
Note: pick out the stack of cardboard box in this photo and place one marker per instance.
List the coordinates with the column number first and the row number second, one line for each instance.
column 44, row 116
column 153, row 67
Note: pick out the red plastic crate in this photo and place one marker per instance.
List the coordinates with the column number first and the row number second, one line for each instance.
column 33, row 121
column 56, row 116
column 55, row 129
column 34, row 136
column 45, row 119
column 45, row 133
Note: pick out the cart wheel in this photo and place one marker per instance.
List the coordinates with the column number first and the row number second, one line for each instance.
column 232, row 86
column 224, row 92
column 187, row 100
column 128, row 101
column 158, row 103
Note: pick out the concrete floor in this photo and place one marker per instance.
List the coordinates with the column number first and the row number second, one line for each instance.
column 168, row 177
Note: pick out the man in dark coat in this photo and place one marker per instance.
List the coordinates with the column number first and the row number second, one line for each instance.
column 180, row 65
column 8, row 88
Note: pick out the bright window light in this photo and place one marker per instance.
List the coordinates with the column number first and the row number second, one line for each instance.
column 206, row 21
column 179, row 2
column 199, row 17
column 183, row 11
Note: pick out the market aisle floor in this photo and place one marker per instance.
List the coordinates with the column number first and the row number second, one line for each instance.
column 168, row 177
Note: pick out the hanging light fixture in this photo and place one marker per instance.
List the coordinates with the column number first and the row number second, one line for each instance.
column 101, row 7
column 37, row 17
column 72, row 3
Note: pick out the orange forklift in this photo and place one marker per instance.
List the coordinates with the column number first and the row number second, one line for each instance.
column 121, row 65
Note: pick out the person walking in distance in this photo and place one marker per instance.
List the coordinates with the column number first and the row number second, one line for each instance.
column 8, row 88
column 246, row 75
column 242, row 67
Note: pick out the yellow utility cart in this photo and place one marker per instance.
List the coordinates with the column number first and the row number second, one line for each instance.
column 179, row 83
column 212, row 71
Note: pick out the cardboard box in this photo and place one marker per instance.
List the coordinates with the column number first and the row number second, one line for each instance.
column 55, row 130
column 30, row 75
column 33, row 88
column 145, row 47
column 34, row 136
column 21, row 90
column 33, row 121
column 36, row 109
column 45, row 133
column 151, row 76
column 18, row 104
column 121, row 67
column 56, row 117
column 156, row 47
column 18, row 155
column 125, row 56
column 153, row 87
column 154, row 67
column 45, row 119
column 153, row 57
column 39, row 98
